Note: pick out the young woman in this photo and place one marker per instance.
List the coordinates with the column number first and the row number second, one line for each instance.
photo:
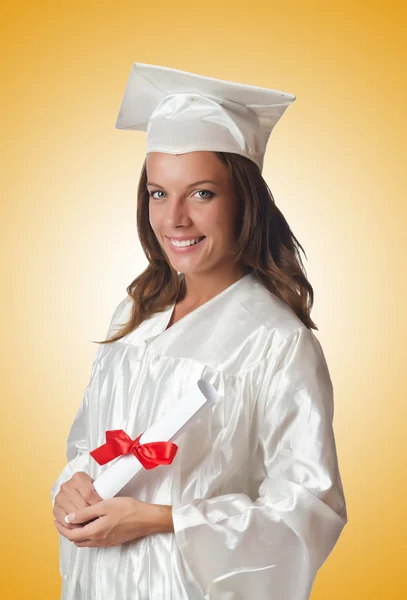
column 252, row 504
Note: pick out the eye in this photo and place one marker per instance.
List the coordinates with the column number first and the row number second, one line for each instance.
column 155, row 192
column 206, row 197
column 211, row 194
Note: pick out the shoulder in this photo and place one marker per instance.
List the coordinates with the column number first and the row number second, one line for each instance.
column 282, row 331
column 253, row 326
column 269, row 314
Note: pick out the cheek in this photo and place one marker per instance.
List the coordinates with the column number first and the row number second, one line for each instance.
column 155, row 219
column 220, row 224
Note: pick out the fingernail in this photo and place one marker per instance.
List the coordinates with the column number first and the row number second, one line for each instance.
column 70, row 518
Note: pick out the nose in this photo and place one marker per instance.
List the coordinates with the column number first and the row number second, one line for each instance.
column 177, row 213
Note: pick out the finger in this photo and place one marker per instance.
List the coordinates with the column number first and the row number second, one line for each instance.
column 77, row 498
column 60, row 514
column 78, row 535
column 90, row 543
column 71, row 497
column 66, row 529
column 68, row 501
column 88, row 492
column 90, row 513
column 62, row 529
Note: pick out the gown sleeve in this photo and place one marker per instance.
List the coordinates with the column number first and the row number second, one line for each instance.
column 77, row 451
column 273, row 546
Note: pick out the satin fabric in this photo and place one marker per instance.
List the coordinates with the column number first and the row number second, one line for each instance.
column 184, row 112
column 258, row 502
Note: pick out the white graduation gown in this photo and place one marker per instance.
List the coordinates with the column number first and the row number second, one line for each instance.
column 257, row 497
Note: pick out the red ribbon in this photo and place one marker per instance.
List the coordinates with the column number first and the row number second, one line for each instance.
column 150, row 454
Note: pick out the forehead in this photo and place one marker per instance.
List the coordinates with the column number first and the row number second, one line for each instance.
column 184, row 168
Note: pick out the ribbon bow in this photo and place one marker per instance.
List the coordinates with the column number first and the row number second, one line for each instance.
column 150, row 454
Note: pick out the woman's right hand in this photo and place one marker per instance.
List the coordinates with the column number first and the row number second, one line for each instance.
column 77, row 492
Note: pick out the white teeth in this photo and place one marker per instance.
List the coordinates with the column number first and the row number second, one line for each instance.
column 185, row 243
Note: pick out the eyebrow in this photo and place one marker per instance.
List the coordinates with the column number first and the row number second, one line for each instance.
column 188, row 186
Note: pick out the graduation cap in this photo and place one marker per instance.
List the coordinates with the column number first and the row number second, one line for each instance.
column 184, row 112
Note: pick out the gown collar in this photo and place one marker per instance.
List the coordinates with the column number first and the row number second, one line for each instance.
column 154, row 327
column 164, row 317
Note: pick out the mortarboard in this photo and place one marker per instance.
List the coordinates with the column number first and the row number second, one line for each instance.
column 183, row 112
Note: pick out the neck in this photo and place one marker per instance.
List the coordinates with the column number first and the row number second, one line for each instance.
column 202, row 286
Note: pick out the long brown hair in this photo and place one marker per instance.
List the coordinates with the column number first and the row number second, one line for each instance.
column 265, row 247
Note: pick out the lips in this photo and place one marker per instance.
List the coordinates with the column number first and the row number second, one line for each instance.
column 186, row 239
column 195, row 243
column 185, row 249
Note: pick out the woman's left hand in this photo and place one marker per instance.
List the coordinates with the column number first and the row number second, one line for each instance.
column 116, row 521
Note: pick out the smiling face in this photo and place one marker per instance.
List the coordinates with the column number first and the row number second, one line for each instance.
column 190, row 197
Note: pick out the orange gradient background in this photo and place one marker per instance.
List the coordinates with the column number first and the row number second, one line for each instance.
column 336, row 165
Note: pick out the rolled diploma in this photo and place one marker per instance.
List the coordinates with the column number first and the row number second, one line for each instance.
column 170, row 425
